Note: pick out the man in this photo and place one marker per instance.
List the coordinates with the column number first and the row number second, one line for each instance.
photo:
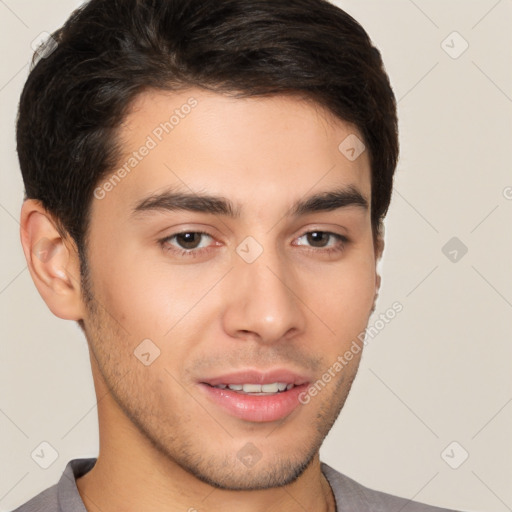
column 206, row 182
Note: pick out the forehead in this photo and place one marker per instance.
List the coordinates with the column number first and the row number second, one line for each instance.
column 257, row 150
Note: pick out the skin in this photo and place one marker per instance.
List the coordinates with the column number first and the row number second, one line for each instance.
column 163, row 443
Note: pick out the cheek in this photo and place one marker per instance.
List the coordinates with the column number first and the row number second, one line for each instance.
column 148, row 299
column 346, row 296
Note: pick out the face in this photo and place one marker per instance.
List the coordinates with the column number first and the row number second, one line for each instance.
column 231, row 267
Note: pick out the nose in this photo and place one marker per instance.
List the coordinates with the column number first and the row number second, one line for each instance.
column 265, row 300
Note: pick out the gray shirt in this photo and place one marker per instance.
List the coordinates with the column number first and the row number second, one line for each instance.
column 350, row 496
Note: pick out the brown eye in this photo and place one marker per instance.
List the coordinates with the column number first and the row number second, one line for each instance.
column 189, row 240
column 322, row 241
column 318, row 238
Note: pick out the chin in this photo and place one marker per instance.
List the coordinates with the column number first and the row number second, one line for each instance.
column 259, row 476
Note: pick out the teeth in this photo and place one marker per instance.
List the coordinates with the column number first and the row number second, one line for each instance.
column 252, row 388
column 275, row 387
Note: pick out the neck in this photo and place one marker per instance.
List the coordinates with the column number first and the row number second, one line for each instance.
column 141, row 478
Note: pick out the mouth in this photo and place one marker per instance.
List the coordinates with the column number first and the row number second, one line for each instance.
column 258, row 389
column 256, row 396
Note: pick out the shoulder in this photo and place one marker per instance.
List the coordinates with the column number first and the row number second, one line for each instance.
column 44, row 501
column 63, row 495
column 350, row 495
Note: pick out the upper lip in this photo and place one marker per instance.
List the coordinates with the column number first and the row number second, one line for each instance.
column 252, row 376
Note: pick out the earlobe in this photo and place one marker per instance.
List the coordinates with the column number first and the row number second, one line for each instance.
column 52, row 261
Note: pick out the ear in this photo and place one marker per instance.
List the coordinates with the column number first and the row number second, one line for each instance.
column 52, row 261
column 379, row 249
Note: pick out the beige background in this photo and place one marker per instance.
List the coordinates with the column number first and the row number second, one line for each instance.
column 439, row 372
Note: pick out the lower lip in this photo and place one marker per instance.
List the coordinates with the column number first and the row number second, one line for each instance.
column 258, row 408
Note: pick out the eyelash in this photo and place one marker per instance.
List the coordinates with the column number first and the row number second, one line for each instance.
column 194, row 253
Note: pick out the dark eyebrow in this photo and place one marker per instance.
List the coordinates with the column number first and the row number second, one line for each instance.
column 175, row 200
column 171, row 201
column 332, row 200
